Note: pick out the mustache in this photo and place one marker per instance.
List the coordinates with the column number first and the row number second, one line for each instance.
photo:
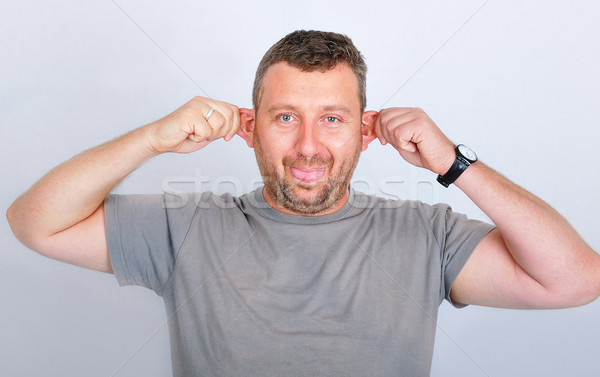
column 307, row 162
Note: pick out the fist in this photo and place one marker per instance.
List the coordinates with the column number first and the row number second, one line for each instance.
column 187, row 129
column 416, row 137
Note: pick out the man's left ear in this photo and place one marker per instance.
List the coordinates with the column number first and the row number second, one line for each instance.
column 369, row 118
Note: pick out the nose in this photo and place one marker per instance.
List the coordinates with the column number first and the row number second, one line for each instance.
column 307, row 143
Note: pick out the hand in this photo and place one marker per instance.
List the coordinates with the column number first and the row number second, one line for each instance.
column 418, row 140
column 186, row 129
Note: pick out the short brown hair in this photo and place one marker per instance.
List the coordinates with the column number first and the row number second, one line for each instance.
column 311, row 50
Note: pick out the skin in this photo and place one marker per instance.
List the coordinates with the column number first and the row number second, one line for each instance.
column 307, row 135
column 533, row 259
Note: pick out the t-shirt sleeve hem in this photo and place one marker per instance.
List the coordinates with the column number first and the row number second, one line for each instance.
column 113, row 237
column 458, row 262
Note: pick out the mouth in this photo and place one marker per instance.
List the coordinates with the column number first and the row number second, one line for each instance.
column 308, row 175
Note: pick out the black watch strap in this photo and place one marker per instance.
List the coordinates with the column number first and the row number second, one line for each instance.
column 458, row 167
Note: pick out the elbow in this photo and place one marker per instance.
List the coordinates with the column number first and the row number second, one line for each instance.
column 13, row 219
column 583, row 289
column 10, row 217
column 583, row 297
column 593, row 292
column 586, row 297
column 564, row 299
column 21, row 225
column 592, row 281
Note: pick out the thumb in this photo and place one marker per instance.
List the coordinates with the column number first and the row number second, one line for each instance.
column 195, row 138
column 407, row 145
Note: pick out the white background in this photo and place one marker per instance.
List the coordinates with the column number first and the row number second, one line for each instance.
column 516, row 81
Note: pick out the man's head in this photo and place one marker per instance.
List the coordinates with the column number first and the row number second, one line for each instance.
column 312, row 51
column 308, row 126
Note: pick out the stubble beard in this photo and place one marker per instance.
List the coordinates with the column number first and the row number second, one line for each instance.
column 322, row 196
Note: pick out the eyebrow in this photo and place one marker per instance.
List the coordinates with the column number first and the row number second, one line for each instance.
column 283, row 106
column 337, row 108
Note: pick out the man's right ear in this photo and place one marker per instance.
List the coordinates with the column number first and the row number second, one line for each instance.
column 246, row 130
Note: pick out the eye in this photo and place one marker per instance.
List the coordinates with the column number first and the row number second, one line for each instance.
column 332, row 119
column 286, row 118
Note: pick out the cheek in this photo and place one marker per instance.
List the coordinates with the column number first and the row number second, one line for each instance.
column 269, row 152
column 276, row 147
column 346, row 144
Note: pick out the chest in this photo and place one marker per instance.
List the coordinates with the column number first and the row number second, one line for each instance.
column 339, row 301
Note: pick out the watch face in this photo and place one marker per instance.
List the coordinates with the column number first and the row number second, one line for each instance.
column 467, row 152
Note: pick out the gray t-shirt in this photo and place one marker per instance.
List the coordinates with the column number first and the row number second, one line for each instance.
column 250, row 291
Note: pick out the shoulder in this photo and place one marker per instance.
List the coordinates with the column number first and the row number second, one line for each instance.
column 169, row 204
column 373, row 205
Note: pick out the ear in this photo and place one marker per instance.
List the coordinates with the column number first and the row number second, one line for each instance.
column 246, row 130
column 369, row 118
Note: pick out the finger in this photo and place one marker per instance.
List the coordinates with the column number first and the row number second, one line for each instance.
column 406, row 133
column 219, row 124
column 406, row 145
column 195, row 138
column 388, row 120
column 400, row 115
column 388, row 125
column 229, row 122
column 201, row 131
column 379, row 130
column 235, row 124
column 396, row 111
column 398, row 121
column 396, row 126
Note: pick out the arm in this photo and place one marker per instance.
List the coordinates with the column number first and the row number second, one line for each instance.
column 62, row 215
column 534, row 259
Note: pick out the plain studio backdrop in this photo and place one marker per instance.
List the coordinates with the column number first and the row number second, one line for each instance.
column 518, row 82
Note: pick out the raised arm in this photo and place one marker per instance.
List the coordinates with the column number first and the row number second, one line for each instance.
column 533, row 259
column 62, row 215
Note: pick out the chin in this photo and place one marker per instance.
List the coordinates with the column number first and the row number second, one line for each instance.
column 309, row 200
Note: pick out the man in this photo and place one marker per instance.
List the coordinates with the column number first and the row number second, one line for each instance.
column 306, row 276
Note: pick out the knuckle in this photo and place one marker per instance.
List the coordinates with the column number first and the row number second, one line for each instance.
column 203, row 133
column 188, row 113
column 384, row 118
column 220, row 122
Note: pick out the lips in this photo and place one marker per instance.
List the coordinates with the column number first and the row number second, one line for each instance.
column 307, row 175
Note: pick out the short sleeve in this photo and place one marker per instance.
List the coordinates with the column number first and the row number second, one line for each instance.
column 460, row 237
column 144, row 234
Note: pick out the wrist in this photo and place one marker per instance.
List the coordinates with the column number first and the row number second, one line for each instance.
column 464, row 157
column 148, row 135
column 447, row 163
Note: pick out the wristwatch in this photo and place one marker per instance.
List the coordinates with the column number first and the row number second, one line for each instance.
column 464, row 157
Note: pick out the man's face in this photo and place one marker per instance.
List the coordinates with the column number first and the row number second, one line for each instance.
column 307, row 137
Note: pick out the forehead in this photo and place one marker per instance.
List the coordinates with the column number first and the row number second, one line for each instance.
column 284, row 83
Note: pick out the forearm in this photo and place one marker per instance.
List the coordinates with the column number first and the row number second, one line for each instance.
column 540, row 240
column 73, row 190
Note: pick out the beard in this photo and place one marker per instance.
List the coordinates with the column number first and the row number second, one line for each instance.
column 305, row 198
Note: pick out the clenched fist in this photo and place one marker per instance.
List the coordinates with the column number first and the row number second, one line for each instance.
column 416, row 137
column 187, row 129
